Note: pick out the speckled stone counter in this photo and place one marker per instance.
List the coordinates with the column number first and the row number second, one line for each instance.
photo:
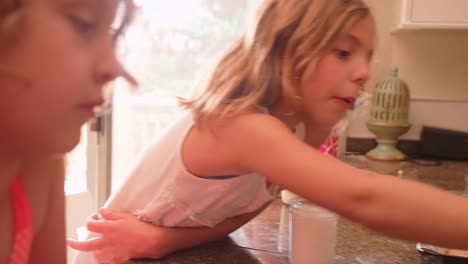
column 265, row 239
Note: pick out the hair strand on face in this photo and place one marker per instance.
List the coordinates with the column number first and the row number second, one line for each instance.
column 125, row 22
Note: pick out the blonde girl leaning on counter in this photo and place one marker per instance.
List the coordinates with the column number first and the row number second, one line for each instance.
column 257, row 122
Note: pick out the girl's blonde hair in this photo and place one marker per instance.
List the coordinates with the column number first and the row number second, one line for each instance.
column 10, row 25
column 273, row 57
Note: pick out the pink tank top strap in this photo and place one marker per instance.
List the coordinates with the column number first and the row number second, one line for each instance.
column 23, row 232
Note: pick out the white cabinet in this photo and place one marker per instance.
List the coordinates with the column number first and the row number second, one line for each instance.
column 433, row 14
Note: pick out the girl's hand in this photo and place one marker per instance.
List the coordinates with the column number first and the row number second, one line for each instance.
column 124, row 236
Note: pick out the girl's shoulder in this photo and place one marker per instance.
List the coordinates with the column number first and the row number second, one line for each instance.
column 252, row 128
column 249, row 122
column 257, row 141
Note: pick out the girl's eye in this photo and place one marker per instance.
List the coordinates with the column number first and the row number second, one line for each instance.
column 115, row 34
column 343, row 54
column 83, row 25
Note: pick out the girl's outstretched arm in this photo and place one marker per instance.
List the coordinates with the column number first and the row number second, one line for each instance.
column 393, row 206
column 124, row 236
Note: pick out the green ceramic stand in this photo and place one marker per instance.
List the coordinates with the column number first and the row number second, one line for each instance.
column 389, row 117
column 387, row 138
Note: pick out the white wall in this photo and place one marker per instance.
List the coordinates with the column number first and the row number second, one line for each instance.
column 432, row 63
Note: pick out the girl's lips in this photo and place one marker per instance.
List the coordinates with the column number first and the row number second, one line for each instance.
column 348, row 102
column 88, row 107
column 89, row 112
column 91, row 106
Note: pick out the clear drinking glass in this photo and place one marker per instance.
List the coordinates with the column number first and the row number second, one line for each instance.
column 312, row 234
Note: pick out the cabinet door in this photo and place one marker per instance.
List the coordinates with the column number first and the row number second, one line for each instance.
column 440, row 11
column 434, row 14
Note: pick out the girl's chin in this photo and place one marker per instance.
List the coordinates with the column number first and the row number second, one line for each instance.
column 70, row 143
column 66, row 143
column 329, row 116
column 333, row 119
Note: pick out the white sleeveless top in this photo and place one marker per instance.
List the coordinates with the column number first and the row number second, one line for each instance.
column 160, row 190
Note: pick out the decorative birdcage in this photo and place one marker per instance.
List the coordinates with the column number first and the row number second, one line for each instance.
column 389, row 117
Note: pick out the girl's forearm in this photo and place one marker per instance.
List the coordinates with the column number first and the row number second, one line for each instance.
column 178, row 238
column 396, row 208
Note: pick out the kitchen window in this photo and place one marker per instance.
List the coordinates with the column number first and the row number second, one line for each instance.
column 168, row 46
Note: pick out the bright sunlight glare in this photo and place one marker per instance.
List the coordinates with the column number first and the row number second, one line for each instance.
column 175, row 13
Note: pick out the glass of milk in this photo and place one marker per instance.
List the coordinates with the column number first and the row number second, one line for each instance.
column 312, row 234
column 288, row 197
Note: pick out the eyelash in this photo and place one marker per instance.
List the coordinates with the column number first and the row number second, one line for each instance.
column 115, row 35
column 343, row 54
column 83, row 25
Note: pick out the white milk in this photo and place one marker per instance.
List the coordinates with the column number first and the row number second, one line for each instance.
column 288, row 197
column 312, row 232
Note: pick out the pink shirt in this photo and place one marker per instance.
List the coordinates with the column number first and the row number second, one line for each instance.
column 23, row 233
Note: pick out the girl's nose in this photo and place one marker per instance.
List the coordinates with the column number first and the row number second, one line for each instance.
column 108, row 68
column 361, row 73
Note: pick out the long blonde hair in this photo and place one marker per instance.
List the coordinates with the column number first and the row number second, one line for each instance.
column 273, row 57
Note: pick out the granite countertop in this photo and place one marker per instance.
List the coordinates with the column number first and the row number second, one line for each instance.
column 265, row 239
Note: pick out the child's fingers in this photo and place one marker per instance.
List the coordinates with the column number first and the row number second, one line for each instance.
column 100, row 226
column 112, row 215
column 88, row 245
column 94, row 216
